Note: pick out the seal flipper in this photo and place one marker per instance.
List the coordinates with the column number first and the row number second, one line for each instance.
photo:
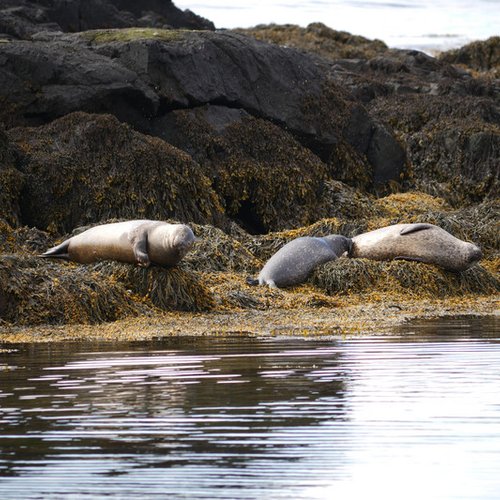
column 58, row 252
column 404, row 257
column 140, row 248
column 272, row 284
column 414, row 228
column 252, row 281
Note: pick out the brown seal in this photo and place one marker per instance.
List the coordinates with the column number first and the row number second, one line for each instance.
column 139, row 242
column 418, row 242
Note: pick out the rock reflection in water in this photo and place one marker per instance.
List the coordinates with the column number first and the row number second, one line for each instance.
column 217, row 403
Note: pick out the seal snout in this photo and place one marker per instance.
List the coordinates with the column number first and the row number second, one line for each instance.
column 184, row 240
column 475, row 254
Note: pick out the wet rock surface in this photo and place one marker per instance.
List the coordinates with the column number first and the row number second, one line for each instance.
column 253, row 137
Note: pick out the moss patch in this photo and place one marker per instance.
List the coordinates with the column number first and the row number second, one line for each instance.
column 131, row 34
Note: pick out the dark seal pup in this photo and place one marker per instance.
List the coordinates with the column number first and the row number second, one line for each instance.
column 418, row 242
column 293, row 263
column 141, row 242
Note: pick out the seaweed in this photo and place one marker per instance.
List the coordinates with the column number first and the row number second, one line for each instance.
column 215, row 250
column 401, row 278
column 84, row 168
column 319, row 39
column 166, row 288
column 483, row 56
column 34, row 292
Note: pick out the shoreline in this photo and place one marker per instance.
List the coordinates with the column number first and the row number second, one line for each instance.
column 356, row 319
column 338, row 135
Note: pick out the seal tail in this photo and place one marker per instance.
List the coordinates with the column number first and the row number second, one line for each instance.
column 57, row 252
column 252, row 281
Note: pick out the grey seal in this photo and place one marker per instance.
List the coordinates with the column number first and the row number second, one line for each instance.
column 293, row 263
column 139, row 242
column 418, row 242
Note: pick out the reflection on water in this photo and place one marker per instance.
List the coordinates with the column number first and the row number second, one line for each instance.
column 413, row 416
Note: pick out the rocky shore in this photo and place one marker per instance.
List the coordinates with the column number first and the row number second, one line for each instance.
column 253, row 137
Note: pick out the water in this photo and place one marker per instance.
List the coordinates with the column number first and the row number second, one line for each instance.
column 427, row 25
column 414, row 416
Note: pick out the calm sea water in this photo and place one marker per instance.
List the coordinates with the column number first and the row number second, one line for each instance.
column 415, row 416
column 427, row 25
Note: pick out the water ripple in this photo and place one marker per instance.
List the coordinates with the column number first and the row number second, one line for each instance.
column 411, row 417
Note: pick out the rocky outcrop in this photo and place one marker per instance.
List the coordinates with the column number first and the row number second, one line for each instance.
column 250, row 142
column 481, row 55
column 319, row 39
column 447, row 119
column 275, row 112
column 452, row 143
column 139, row 79
column 85, row 168
column 23, row 18
column 366, row 121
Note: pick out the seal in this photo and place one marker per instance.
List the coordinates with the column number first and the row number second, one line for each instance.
column 417, row 242
column 293, row 263
column 141, row 242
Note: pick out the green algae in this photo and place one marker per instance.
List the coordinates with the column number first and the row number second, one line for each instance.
column 101, row 36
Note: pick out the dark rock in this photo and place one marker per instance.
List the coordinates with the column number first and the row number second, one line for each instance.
column 266, row 179
column 23, row 18
column 138, row 76
column 452, row 143
column 386, row 155
column 400, row 72
column 41, row 81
